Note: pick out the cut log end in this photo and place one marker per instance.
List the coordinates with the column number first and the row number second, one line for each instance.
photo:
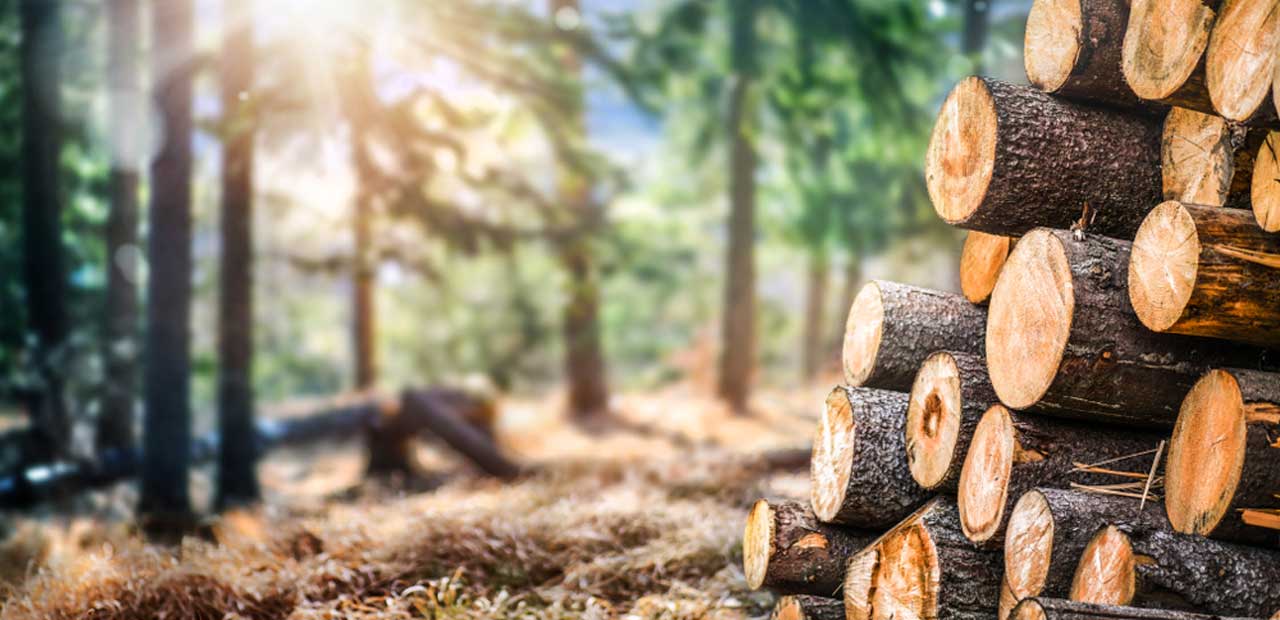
column 1052, row 44
column 789, row 608
column 980, row 261
column 1196, row 157
column 862, row 334
column 1029, row 319
column 804, row 607
column 1240, row 60
column 1106, row 573
column 962, row 150
column 1163, row 45
column 1028, row 546
column 1206, row 454
column 906, row 584
column 1163, row 266
column 757, row 540
column 1029, row 610
column 1264, row 191
column 933, row 420
column 858, row 587
column 832, row 459
column 984, row 479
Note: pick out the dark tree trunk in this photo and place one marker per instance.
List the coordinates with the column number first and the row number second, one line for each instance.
column 167, row 418
column 811, row 351
column 120, row 334
column 737, row 341
column 237, row 458
column 44, row 266
column 807, row 607
column 977, row 21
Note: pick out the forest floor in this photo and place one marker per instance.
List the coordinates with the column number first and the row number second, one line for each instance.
column 637, row 523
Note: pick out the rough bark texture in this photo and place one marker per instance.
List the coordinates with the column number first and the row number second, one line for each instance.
column 976, row 396
column 805, row 607
column 916, row 323
column 807, row 556
column 1042, row 608
column 737, row 341
column 1053, row 156
column 1095, row 74
column 1111, row 361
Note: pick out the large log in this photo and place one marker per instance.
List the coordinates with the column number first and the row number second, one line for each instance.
column 805, row 607
column 1072, row 48
column 1062, row 336
column 1042, row 608
column 980, row 261
column 1206, row 160
column 859, row 474
column 1049, row 529
column 949, row 396
column 1206, row 271
column 1264, row 189
column 892, row 327
column 786, row 549
column 1004, row 159
column 1159, row 568
column 1012, row 453
column 1164, row 48
column 1241, row 59
column 1224, row 456
column 924, row 568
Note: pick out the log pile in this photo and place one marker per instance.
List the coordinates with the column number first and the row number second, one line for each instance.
column 1092, row 430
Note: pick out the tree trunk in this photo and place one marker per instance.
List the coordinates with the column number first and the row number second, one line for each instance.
column 1062, row 336
column 1073, row 49
column 893, row 327
column 786, row 549
column 1164, row 48
column 433, row 411
column 1060, row 609
column 811, row 353
column 950, row 394
column 1264, row 188
column 1207, row 161
column 980, row 261
column 1241, row 59
column 238, row 458
column 358, row 107
column 737, row 342
column 1004, row 159
column 167, row 418
column 44, row 272
column 1159, row 568
column 805, row 607
column 1224, row 456
column 120, row 332
column 1049, row 529
column 1206, row 271
column 1012, row 453
column 859, row 474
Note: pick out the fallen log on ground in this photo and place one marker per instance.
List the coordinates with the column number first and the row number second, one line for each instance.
column 1224, row 456
column 1241, row 58
column 805, row 607
column 1207, row 161
column 949, row 396
column 438, row 412
column 786, row 549
column 1041, row 608
column 980, row 261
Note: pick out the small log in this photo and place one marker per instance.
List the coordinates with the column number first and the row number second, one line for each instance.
column 1206, row 271
column 949, row 396
column 980, row 261
column 1012, row 453
column 1240, row 62
column 859, row 474
column 1206, row 160
column 892, row 327
column 1264, row 189
column 924, row 568
column 1062, row 336
column 1049, row 529
column 423, row 410
column 1004, row 159
column 804, row 607
column 1041, row 608
column 786, row 549
column 1224, row 456
column 1073, row 48
column 1164, row 48
column 1164, row 569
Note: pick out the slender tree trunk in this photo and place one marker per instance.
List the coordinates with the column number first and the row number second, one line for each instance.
column 120, row 336
column 45, row 270
column 737, row 352
column 977, row 18
column 357, row 107
column 815, row 313
column 167, row 415
column 237, row 455
column 848, row 291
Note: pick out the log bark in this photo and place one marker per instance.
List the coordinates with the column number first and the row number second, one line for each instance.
column 1206, row 271
column 805, row 607
column 950, row 394
column 1004, row 159
column 1073, row 49
column 1224, row 456
column 1011, row 453
column 438, row 413
column 1264, row 187
column 1042, row 608
column 786, row 549
column 1206, row 160
column 1062, row 336
column 925, row 568
column 859, row 474
column 1241, row 60
column 980, row 261
column 1163, row 569
column 1162, row 58
column 893, row 327
column 1049, row 529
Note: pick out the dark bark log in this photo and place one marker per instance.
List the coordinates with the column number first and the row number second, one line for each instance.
column 737, row 341
column 859, row 474
column 893, row 327
column 1062, row 336
column 423, row 409
column 1073, row 49
column 1041, row 608
column 805, row 607
column 1004, row 159
column 167, row 417
column 950, row 394
column 786, row 549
